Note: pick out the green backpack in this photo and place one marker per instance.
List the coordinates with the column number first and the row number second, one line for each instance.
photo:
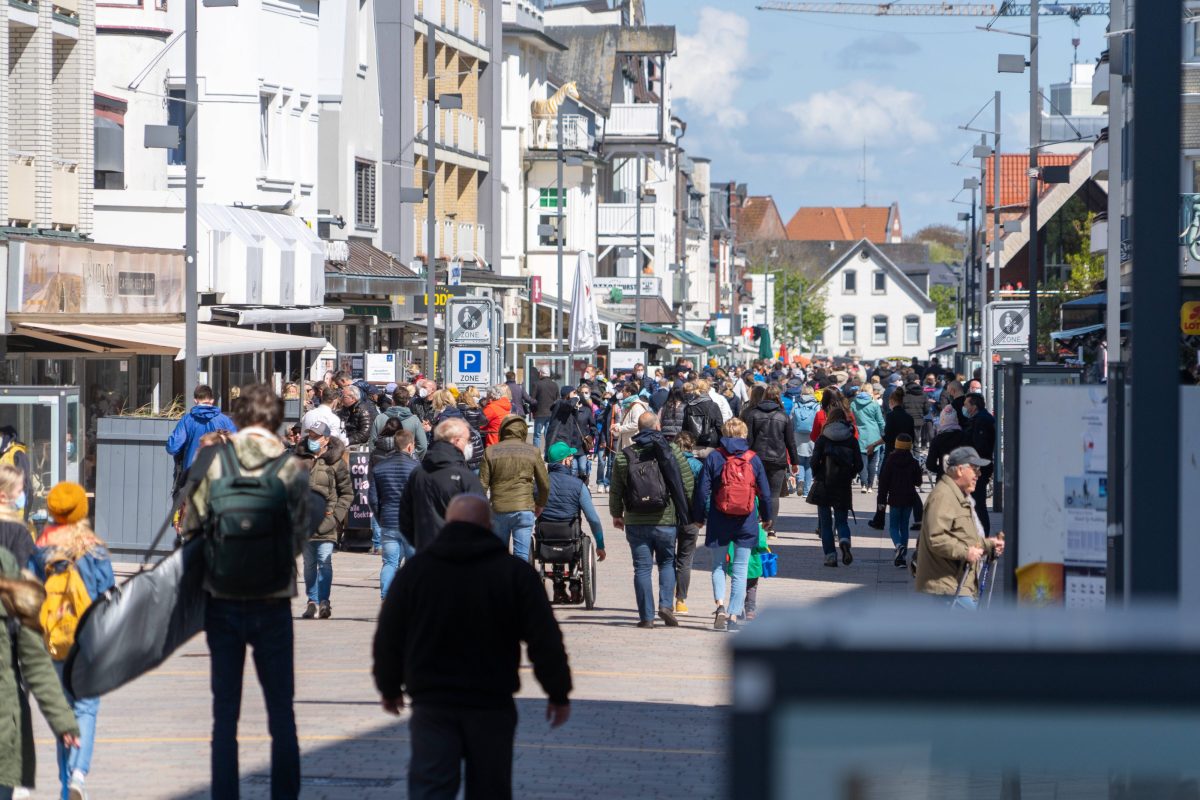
column 248, row 547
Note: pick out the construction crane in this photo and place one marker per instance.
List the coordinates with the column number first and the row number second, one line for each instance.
column 1075, row 11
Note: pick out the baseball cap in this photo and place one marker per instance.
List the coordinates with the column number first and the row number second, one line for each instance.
column 559, row 451
column 965, row 455
column 391, row 387
column 319, row 428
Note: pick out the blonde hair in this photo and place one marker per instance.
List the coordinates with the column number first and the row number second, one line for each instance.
column 442, row 399
column 72, row 541
column 734, row 429
column 702, row 386
column 12, row 483
column 470, row 396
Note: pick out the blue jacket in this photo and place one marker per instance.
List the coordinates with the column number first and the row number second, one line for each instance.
column 197, row 422
column 569, row 497
column 94, row 567
column 869, row 418
column 388, row 481
column 723, row 529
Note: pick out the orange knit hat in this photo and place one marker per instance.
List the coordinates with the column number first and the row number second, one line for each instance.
column 67, row 503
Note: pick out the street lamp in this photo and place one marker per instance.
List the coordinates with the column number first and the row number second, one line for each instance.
column 970, row 273
column 561, row 160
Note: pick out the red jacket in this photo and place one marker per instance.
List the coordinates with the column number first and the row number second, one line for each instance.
column 495, row 411
column 819, row 423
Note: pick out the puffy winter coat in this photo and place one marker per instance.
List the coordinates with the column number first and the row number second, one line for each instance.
column 330, row 478
column 477, row 443
column 357, row 420
column 670, row 419
column 771, row 435
column 389, row 481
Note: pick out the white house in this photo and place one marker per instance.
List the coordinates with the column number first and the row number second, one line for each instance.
column 873, row 310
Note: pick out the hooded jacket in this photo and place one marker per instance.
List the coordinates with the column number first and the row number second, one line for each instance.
column 330, row 477
column 723, row 528
column 811, row 406
column 631, row 409
column 770, row 435
column 199, row 420
column 443, row 476
column 948, row 438
column 869, row 418
column 451, row 627
column 570, row 423
column 409, row 422
column 513, row 471
column 670, row 419
column 697, row 409
column 495, row 411
column 899, row 479
column 569, row 497
column 917, row 404
column 677, row 477
column 836, row 445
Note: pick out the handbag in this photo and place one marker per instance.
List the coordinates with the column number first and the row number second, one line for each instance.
column 816, row 494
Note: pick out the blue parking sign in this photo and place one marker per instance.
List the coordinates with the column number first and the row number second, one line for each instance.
column 470, row 360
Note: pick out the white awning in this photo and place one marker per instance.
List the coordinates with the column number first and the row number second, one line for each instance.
column 168, row 339
column 270, row 316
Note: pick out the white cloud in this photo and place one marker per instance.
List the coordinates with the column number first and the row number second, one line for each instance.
column 839, row 119
column 707, row 70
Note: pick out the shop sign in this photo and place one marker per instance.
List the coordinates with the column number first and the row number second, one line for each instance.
column 1189, row 318
column 602, row 287
column 84, row 278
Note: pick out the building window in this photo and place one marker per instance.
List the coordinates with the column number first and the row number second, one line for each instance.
column 849, row 282
column 912, row 330
column 879, row 282
column 177, row 116
column 548, row 198
column 264, row 132
column 364, row 194
column 849, row 329
column 550, row 239
column 879, row 330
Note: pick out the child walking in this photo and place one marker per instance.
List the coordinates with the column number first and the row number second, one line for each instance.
column 898, row 484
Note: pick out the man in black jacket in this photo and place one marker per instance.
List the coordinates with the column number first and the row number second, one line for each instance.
column 980, row 433
column 450, row 635
column 355, row 416
column 442, row 476
column 545, row 395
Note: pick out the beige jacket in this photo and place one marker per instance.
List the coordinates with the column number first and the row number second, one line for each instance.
column 947, row 530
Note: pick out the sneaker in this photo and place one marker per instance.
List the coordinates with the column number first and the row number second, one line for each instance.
column 310, row 611
column 645, row 623
column 668, row 617
column 680, row 607
column 831, row 560
column 720, row 619
column 749, row 615
column 865, row 489
column 847, row 556
column 326, row 610
column 76, row 790
column 560, row 594
column 901, row 556
column 916, row 526
column 731, row 626
column 576, row 592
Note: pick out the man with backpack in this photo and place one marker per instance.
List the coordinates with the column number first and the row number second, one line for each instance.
column 251, row 509
column 651, row 486
column 804, row 414
column 701, row 416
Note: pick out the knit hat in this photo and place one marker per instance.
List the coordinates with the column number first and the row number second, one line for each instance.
column 67, row 503
column 453, row 390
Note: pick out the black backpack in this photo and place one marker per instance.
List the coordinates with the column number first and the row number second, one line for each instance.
column 698, row 424
column 645, row 490
column 248, row 546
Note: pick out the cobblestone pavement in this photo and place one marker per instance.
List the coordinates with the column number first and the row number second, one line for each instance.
column 648, row 715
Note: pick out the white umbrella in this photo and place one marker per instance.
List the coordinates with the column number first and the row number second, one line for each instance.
column 585, row 325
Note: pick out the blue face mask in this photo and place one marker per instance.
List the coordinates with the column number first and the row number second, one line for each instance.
column 19, row 503
column 314, row 446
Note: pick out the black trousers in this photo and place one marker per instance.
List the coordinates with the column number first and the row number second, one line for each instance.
column 981, row 504
column 443, row 737
column 685, row 552
column 775, row 479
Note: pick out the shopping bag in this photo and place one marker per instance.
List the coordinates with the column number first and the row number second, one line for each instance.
column 770, row 564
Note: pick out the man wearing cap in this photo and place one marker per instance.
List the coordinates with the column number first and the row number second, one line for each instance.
column 515, row 478
column 569, row 497
column 952, row 536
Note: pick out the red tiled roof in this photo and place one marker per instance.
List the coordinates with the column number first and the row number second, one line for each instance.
column 840, row 224
column 1014, row 177
column 758, row 218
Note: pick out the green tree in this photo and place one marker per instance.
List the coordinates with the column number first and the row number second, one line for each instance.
column 794, row 295
column 947, row 310
column 1087, row 270
column 945, row 243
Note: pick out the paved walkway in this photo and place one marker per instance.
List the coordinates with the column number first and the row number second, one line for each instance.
column 648, row 707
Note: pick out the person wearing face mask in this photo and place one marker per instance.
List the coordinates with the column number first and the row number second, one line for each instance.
column 15, row 534
column 442, row 476
column 330, row 478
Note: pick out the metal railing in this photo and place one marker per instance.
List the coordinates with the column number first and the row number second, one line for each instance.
column 634, row 119
column 620, row 219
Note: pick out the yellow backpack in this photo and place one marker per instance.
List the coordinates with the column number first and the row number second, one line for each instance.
column 9, row 456
column 66, row 599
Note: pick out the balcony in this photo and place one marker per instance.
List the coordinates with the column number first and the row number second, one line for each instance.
column 544, row 134
column 638, row 120
column 65, row 195
column 1100, row 234
column 456, row 130
column 454, row 239
column 459, row 17
column 1100, row 157
column 620, row 220
column 431, row 11
column 1100, row 81
column 22, row 189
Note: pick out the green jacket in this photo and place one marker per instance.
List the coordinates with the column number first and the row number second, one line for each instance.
column 620, row 477
column 947, row 530
column 17, row 765
column 755, row 568
column 513, row 471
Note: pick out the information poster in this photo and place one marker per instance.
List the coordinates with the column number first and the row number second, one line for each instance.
column 360, row 476
column 1085, row 514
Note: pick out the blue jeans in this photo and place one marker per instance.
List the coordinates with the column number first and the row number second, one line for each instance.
column 539, row 430
column 318, row 570
column 375, row 529
column 583, row 467
column 965, row 602
column 77, row 758
column 737, row 587
column 604, row 468
column 898, row 517
column 804, row 478
column 871, row 467
column 826, row 516
column 395, row 549
column 652, row 544
column 518, row 525
column 266, row 626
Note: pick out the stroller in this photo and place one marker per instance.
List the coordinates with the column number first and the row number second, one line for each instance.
column 563, row 554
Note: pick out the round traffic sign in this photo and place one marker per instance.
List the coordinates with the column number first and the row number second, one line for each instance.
column 1012, row 322
column 470, row 317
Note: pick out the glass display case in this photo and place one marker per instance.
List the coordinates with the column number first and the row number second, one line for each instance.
column 46, row 420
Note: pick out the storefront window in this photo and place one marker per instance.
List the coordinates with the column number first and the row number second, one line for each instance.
column 53, row 372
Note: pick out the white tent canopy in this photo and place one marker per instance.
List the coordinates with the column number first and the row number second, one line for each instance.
column 168, row 339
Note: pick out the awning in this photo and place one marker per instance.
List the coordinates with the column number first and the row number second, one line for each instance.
column 168, row 339
column 686, row 337
column 270, row 316
column 1086, row 329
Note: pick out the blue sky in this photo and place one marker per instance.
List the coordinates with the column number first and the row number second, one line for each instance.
column 783, row 101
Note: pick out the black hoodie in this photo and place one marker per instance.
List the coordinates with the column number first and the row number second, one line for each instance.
column 443, row 475
column 451, row 627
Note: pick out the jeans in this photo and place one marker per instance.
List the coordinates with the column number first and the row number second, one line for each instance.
column 965, row 601
column 650, row 544
column 898, row 517
column 395, row 548
column 826, row 516
column 318, row 570
column 518, row 525
column 375, row 529
column 443, row 737
column 737, row 586
column 266, row 626
column 583, row 467
column 685, row 552
column 539, row 430
column 871, row 467
column 6, row 792
column 604, row 468
column 805, row 477
column 77, row 758
column 775, row 478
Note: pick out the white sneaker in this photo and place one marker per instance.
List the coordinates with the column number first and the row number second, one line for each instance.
column 76, row 790
column 20, row 793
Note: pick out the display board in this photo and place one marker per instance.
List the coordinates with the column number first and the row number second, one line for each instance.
column 625, row 360
column 359, row 516
column 382, row 368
